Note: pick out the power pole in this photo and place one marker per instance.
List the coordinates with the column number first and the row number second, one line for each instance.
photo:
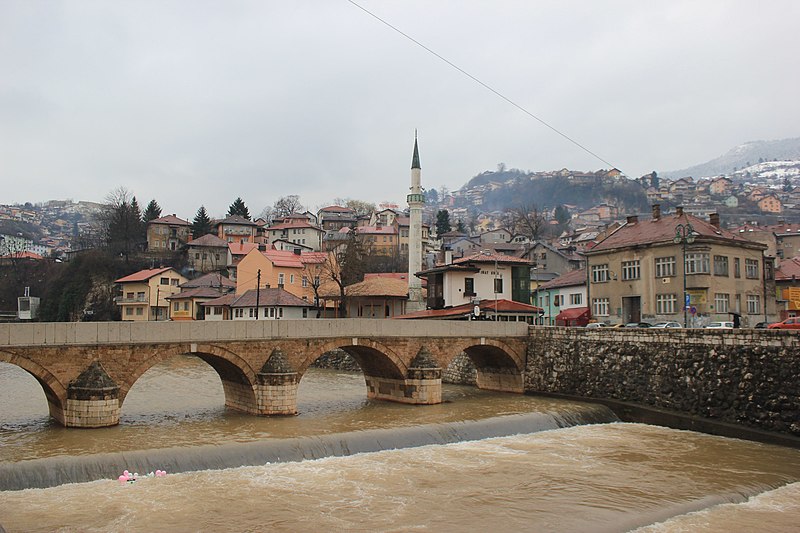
column 258, row 290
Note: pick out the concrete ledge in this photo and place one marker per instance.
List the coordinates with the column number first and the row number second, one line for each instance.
column 631, row 412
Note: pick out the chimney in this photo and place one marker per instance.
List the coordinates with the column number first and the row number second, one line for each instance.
column 448, row 257
column 714, row 219
column 656, row 211
column 679, row 211
column 297, row 251
column 632, row 219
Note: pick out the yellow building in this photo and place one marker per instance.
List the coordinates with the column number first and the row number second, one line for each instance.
column 296, row 273
column 144, row 293
column 637, row 272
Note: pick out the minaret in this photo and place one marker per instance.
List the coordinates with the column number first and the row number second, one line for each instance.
column 416, row 200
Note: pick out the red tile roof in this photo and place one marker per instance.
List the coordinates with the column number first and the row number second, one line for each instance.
column 788, row 269
column 143, row 275
column 486, row 306
column 491, row 257
column 662, row 231
column 241, row 248
column 170, row 219
column 289, row 259
column 379, row 230
column 570, row 279
column 293, row 224
column 212, row 279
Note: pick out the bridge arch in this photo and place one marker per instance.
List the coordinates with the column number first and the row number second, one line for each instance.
column 489, row 353
column 238, row 378
column 54, row 390
column 374, row 358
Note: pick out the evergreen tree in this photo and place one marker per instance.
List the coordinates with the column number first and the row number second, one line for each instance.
column 460, row 227
column 562, row 215
column 151, row 212
column 238, row 208
column 201, row 225
column 122, row 223
column 442, row 221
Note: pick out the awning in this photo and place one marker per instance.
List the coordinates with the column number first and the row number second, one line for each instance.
column 573, row 313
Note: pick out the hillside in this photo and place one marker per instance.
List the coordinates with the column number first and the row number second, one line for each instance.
column 741, row 156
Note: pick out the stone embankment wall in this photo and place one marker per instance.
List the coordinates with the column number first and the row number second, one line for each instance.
column 746, row 377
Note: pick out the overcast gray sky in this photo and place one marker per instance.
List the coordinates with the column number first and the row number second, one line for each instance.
column 198, row 102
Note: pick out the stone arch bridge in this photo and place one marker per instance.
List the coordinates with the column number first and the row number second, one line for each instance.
column 87, row 369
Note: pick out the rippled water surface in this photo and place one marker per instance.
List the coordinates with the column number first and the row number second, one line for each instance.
column 599, row 477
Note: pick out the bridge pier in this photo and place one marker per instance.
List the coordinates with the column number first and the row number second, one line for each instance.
column 92, row 400
column 276, row 390
column 422, row 386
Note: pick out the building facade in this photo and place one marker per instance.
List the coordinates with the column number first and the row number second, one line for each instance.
column 678, row 268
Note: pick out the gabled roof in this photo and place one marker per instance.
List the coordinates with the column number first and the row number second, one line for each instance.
column 212, row 279
column 170, row 219
column 208, row 240
column 241, row 248
column 570, row 279
column 196, row 292
column 788, row 269
column 226, row 300
column 143, row 275
column 662, row 231
column 379, row 286
column 236, row 220
column 491, row 257
column 289, row 259
column 269, row 298
column 377, row 230
column 293, row 223
column 336, row 209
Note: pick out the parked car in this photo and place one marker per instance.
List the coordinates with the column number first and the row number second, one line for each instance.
column 638, row 325
column 720, row 325
column 667, row 325
column 761, row 325
column 596, row 325
column 789, row 323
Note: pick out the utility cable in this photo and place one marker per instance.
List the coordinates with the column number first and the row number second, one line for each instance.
column 482, row 84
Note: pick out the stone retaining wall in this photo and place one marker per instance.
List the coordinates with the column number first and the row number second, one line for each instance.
column 747, row 377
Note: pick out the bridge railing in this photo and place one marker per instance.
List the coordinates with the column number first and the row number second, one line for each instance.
column 80, row 333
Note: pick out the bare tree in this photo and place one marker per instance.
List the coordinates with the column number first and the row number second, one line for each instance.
column 343, row 266
column 361, row 207
column 525, row 220
column 287, row 205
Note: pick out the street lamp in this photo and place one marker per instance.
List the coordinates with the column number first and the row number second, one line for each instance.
column 684, row 234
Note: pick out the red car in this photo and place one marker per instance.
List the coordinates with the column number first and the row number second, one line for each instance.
column 789, row 323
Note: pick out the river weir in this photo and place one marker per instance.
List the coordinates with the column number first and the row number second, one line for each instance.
column 479, row 461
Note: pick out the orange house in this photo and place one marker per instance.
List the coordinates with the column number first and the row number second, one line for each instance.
column 294, row 272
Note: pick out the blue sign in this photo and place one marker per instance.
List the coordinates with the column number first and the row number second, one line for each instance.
column 688, row 299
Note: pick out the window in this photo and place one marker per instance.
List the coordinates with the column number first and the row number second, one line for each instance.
column 665, row 267
column 469, row 286
column 164, row 281
column 720, row 265
column 129, row 311
column 600, row 306
column 291, row 279
column 185, row 306
column 197, row 256
column 575, row 298
column 666, row 304
column 498, row 285
column 737, row 269
column 140, row 296
column 305, row 312
column 753, row 304
column 129, row 296
column 630, row 269
column 252, row 312
column 238, row 313
column 697, row 263
column 722, row 302
column 139, row 311
column 304, row 281
column 600, row 273
column 280, row 279
column 176, row 306
column 173, row 282
column 751, row 268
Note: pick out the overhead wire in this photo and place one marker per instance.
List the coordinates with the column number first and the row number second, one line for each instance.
column 482, row 84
